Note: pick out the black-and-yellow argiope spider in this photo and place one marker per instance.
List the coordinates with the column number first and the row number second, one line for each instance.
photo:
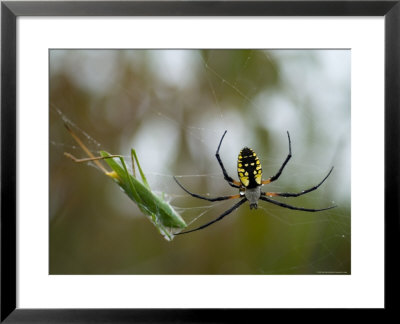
column 250, row 175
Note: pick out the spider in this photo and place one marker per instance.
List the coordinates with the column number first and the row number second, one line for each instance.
column 250, row 175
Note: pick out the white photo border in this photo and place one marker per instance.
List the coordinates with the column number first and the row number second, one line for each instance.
column 363, row 288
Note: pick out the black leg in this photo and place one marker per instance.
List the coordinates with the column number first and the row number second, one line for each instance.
column 288, row 194
column 229, row 179
column 292, row 207
column 206, row 198
column 217, row 219
column 276, row 176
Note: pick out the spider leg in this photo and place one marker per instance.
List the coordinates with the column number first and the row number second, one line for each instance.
column 292, row 207
column 230, row 180
column 206, row 198
column 288, row 194
column 217, row 219
column 276, row 176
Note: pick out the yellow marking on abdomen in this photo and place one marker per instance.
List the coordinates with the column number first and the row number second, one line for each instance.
column 245, row 181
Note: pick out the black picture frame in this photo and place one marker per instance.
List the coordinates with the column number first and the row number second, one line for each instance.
column 10, row 11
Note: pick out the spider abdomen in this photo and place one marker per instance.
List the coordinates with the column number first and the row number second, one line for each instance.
column 249, row 168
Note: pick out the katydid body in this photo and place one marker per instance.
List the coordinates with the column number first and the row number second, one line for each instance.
column 160, row 212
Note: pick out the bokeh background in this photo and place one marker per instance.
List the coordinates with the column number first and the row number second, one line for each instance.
column 173, row 106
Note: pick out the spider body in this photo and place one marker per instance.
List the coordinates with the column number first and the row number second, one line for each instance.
column 250, row 175
column 249, row 168
column 253, row 195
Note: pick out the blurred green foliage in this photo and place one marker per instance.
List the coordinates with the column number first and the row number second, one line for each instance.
column 172, row 107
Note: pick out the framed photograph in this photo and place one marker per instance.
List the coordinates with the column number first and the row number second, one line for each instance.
column 188, row 161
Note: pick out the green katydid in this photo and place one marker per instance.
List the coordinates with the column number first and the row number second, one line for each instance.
column 159, row 211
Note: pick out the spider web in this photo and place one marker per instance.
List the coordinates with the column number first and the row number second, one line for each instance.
column 173, row 107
